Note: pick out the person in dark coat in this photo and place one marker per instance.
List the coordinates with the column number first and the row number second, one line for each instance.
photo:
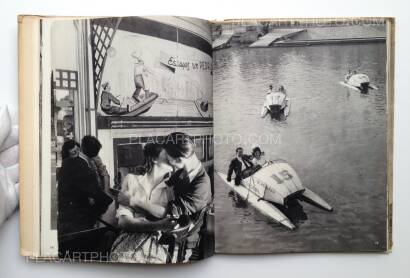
column 192, row 189
column 191, row 183
column 240, row 163
column 107, row 101
column 80, row 199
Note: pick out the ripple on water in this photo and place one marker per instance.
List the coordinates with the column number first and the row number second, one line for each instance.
column 334, row 137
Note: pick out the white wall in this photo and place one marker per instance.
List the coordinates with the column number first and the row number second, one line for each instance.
column 63, row 41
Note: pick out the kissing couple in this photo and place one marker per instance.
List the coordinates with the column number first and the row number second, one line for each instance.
column 174, row 184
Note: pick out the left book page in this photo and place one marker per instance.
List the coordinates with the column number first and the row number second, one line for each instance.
column 123, row 128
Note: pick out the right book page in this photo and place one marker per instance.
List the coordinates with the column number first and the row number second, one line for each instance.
column 303, row 113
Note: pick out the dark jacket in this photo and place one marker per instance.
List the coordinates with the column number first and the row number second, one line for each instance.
column 77, row 184
column 236, row 167
column 190, row 196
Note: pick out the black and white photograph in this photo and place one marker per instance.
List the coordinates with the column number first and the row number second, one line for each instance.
column 204, row 138
column 301, row 160
column 131, row 139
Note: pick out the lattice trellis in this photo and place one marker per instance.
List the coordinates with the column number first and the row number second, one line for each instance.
column 102, row 35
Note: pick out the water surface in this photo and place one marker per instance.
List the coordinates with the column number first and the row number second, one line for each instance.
column 335, row 138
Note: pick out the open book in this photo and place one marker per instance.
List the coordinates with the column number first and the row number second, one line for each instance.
column 169, row 139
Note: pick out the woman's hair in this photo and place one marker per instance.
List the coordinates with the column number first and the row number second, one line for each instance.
column 256, row 149
column 67, row 146
column 179, row 144
column 151, row 153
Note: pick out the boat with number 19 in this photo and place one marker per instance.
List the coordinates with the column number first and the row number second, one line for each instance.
column 272, row 188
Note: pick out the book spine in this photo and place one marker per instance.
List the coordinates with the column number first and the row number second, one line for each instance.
column 390, row 127
column 29, row 121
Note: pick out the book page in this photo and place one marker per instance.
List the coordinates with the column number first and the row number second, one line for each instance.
column 303, row 135
column 127, row 140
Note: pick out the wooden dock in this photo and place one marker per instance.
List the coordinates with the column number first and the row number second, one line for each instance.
column 223, row 40
column 276, row 35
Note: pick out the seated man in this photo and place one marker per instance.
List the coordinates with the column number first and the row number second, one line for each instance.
column 240, row 166
column 107, row 99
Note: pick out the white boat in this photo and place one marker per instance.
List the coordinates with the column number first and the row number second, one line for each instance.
column 359, row 82
column 273, row 186
column 277, row 105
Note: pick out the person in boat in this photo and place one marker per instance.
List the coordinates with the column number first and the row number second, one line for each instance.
column 139, row 69
column 142, row 211
column 268, row 97
column 275, row 99
column 239, row 165
column 68, row 126
column 348, row 75
column 107, row 101
column 258, row 157
column 270, row 90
